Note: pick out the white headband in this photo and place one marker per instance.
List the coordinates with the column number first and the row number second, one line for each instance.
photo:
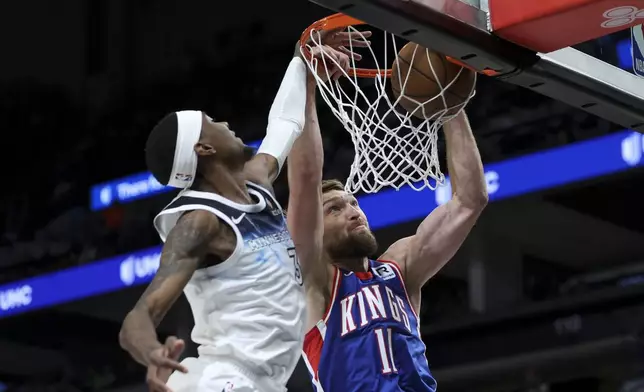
column 184, row 166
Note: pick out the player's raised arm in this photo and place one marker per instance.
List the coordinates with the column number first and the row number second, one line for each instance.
column 286, row 117
column 184, row 250
column 441, row 234
column 305, row 192
column 285, row 124
column 305, row 165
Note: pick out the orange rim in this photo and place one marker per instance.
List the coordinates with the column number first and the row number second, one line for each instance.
column 339, row 21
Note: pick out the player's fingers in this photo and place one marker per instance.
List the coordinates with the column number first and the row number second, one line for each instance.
column 175, row 351
column 172, row 343
column 326, row 54
column 324, row 36
column 356, row 56
column 169, row 341
column 315, row 36
column 341, row 67
column 344, row 62
column 358, row 39
column 160, row 359
column 154, row 383
column 164, row 374
column 329, row 56
column 170, row 364
column 340, row 63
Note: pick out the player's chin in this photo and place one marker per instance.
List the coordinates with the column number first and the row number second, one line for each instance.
column 364, row 239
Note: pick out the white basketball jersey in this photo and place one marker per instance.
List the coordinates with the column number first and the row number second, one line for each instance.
column 250, row 308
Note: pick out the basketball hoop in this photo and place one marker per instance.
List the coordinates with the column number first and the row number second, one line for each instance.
column 393, row 147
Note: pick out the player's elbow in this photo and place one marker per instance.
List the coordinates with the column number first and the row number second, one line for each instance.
column 473, row 201
column 305, row 173
column 124, row 335
column 123, row 340
column 481, row 199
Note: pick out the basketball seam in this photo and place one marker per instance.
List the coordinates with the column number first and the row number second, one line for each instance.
column 464, row 100
column 431, row 80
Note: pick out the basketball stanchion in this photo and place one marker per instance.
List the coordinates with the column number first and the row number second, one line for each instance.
column 394, row 128
column 637, row 42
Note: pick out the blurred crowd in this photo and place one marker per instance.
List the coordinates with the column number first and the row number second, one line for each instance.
column 61, row 148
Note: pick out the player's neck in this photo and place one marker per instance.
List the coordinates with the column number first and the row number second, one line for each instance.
column 360, row 264
column 230, row 184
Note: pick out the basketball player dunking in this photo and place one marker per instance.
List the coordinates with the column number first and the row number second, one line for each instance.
column 363, row 313
column 228, row 248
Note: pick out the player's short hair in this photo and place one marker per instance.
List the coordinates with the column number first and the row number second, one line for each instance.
column 332, row 185
column 328, row 186
column 159, row 149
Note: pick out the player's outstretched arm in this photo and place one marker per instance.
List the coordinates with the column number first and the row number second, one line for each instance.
column 305, row 194
column 442, row 233
column 184, row 250
column 286, row 117
column 285, row 124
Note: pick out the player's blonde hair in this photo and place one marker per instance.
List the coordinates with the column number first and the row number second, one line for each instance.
column 332, row 185
column 328, row 186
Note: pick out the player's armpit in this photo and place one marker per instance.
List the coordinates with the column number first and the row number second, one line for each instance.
column 263, row 169
column 436, row 241
column 185, row 248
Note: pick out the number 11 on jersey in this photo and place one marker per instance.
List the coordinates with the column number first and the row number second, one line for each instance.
column 383, row 336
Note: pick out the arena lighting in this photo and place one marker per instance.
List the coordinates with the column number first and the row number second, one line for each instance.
column 142, row 185
column 544, row 170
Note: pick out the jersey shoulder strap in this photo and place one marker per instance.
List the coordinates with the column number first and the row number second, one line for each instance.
column 271, row 201
column 190, row 200
column 386, row 270
column 193, row 199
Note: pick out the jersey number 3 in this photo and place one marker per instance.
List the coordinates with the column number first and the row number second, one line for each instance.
column 383, row 336
column 297, row 271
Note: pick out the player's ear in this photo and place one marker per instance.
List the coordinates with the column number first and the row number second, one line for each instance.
column 203, row 149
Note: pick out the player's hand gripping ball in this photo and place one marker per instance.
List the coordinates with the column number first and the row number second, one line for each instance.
column 429, row 83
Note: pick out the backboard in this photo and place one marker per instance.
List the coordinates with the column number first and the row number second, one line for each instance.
column 526, row 44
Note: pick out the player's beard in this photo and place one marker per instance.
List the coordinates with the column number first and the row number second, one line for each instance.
column 356, row 245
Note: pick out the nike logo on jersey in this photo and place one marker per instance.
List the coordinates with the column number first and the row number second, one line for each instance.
column 369, row 304
column 239, row 218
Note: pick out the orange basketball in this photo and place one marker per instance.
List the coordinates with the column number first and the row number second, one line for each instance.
column 422, row 85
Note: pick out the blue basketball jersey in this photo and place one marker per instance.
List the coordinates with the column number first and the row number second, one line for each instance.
column 369, row 339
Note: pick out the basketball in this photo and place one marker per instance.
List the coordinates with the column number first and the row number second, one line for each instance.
column 422, row 86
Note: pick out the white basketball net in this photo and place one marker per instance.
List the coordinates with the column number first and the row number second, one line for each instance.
column 390, row 149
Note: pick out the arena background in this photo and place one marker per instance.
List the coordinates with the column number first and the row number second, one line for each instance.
column 547, row 294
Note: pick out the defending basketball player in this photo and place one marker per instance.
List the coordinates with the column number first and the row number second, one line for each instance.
column 228, row 248
column 363, row 324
